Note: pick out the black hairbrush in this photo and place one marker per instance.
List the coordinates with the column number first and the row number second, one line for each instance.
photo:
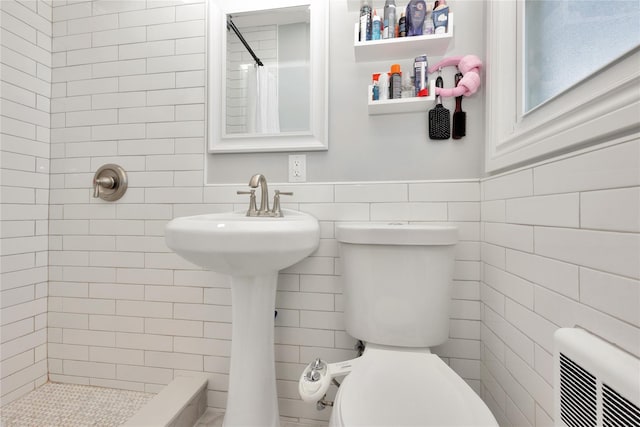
column 439, row 118
column 459, row 128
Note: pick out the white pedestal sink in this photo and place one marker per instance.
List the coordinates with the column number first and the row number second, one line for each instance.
column 252, row 250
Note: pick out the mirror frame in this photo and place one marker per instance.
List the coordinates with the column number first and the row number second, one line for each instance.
column 317, row 138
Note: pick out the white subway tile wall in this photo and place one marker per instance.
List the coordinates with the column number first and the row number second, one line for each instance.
column 561, row 248
column 25, row 92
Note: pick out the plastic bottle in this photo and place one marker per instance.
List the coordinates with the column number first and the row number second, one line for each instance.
column 440, row 17
column 383, row 86
column 428, row 24
column 402, row 25
column 365, row 21
column 375, row 26
column 408, row 90
column 375, row 93
column 421, row 80
column 395, row 87
column 416, row 13
column 389, row 19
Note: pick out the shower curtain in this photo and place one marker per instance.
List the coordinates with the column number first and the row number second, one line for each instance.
column 262, row 94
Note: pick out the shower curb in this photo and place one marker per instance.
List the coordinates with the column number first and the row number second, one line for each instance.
column 181, row 403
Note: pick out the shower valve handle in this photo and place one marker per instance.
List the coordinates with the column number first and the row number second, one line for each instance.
column 102, row 182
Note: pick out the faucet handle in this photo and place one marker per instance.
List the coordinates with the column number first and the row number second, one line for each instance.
column 276, row 201
column 252, row 211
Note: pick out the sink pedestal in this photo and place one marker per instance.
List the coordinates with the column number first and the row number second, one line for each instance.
column 252, row 398
column 251, row 250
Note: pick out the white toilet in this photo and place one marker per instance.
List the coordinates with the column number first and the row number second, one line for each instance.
column 396, row 280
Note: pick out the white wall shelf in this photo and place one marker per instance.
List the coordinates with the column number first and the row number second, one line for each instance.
column 402, row 47
column 403, row 105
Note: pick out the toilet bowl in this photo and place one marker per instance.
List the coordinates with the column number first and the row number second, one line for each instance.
column 392, row 387
column 396, row 280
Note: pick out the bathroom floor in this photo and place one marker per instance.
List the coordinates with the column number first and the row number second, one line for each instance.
column 214, row 419
column 72, row 405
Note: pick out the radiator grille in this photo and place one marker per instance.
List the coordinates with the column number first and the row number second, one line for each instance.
column 618, row 411
column 577, row 394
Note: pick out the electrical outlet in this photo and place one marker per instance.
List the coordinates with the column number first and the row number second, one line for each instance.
column 297, row 168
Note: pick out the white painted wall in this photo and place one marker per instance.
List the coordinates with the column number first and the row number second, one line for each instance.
column 25, row 91
column 377, row 148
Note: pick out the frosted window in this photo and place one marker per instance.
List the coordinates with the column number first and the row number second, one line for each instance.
column 566, row 41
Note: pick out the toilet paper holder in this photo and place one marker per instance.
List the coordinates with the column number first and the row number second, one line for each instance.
column 110, row 182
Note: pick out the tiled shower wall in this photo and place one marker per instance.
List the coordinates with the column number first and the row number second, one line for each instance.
column 124, row 311
column 561, row 247
column 25, row 96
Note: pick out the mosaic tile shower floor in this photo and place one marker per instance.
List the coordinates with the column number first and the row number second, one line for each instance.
column 71, row 405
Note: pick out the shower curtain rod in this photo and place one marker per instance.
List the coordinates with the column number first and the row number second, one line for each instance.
column 232, row 26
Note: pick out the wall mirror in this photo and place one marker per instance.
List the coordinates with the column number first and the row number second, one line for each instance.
column 267, row 75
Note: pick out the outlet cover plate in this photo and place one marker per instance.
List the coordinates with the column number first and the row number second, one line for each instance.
column 297, row 168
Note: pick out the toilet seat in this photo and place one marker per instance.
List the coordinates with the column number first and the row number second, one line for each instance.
column 400, row 387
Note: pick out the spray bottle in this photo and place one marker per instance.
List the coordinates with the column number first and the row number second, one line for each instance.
column 365, row 21
column 376, row 23
column 389, row 19
column 395, row 88
column 383, row 86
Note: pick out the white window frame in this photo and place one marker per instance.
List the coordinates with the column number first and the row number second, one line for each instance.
column 603, row 106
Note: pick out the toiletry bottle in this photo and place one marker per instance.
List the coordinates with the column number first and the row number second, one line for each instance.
column 383, row 86
column 375, row 92
column 421, row 81
column 416, row 12
column 375, row 29
column 428, row 22
column 408, row 90
column 402, row 25
column 389, row 19
column 395, row 88
column 440, row 17
column 365, row 21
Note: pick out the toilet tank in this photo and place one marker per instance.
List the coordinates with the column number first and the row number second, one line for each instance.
column 396, row 281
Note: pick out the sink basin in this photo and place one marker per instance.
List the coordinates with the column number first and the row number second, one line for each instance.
column 234, row 243
column 252, row 250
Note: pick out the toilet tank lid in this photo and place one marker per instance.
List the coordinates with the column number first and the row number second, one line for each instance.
column 389, row 233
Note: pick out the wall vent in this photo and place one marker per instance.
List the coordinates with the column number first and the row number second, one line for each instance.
column 577, row 394
column 596, row 383
column 618, row 411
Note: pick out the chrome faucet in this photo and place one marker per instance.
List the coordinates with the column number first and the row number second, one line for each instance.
column 259, row 179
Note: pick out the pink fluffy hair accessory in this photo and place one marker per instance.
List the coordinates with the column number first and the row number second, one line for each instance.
column 469, row 66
